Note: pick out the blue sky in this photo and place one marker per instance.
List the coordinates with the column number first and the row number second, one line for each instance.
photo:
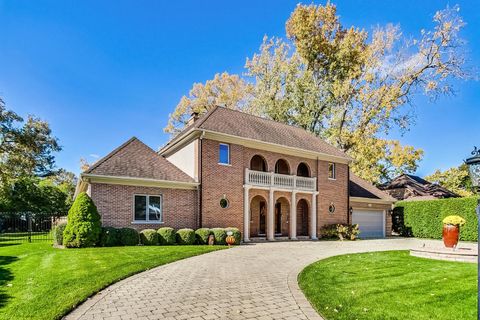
column 102, row 71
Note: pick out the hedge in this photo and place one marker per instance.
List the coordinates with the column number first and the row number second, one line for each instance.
column 58, row 233
column 149, row 237
column 202, row 235
column 186, row 236
column 423, row 219
column 220, row 235
column 166, row 236
column 110, row 237
column 129, row 237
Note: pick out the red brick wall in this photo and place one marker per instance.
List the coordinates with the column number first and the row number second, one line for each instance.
column 115, row 205
column 219, row 180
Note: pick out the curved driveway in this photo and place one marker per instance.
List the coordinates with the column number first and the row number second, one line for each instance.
column 256, row 281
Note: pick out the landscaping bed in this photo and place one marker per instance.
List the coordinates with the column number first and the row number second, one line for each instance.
column 390, row 285
column 41, row 282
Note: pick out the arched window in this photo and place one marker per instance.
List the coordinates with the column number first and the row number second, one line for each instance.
column 302, row 170
column 282, row 167
column 258, row 163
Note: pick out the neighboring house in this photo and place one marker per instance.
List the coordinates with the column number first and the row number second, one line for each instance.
column 409, row 187
column 228, row 168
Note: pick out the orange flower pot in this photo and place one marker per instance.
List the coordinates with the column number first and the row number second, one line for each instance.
column 230, row 240
column 450, row 235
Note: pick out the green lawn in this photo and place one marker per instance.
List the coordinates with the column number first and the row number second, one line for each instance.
column 40, row 282
column 390, row 285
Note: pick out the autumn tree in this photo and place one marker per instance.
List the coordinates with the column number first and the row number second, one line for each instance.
column 455, row 179
column 343, row 84
column 225, row 90
column 363, row 84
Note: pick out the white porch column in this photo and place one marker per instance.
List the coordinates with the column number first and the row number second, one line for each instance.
column 246, row 214
column 313, row 217
column 293, row 216
column 270, row 217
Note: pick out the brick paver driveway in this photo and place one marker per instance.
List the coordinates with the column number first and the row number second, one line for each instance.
column 257, row 281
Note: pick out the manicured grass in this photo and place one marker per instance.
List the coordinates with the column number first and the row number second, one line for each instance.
column 390, row 285
column 41, row 282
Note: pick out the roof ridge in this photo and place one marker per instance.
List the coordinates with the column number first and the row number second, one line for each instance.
column 111, row 154
column 281, row 123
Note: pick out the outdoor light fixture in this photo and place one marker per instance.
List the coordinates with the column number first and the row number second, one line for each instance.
column 474, row 170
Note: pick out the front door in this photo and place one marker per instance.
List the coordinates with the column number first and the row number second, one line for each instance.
column 302, row 218
column 261, row 230
column 278, row 218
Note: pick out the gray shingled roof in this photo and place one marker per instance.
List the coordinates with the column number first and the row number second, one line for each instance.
column 359, row 187
column 137, row 160
column 240, row 124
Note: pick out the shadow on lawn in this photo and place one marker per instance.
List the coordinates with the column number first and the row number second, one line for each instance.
column 5, row 276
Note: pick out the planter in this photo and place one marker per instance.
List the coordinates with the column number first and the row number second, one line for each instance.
column 450, row 235
column 230, row 240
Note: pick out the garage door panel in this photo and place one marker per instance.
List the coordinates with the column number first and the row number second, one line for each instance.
column 370, row 223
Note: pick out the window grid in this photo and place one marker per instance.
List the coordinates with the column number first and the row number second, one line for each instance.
column 148, row 209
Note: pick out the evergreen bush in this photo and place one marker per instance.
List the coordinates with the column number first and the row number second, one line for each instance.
column 83, row 223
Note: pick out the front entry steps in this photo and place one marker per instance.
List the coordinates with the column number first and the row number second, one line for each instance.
column 279, row 238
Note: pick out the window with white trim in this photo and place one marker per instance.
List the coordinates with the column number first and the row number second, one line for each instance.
column 148, row 209
column 331, row 171
column 223, row 153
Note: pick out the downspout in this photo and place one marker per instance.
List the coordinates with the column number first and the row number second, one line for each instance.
column 200, row 177
column 348, row 195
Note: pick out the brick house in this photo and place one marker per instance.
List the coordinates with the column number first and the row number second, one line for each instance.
column 228, row 168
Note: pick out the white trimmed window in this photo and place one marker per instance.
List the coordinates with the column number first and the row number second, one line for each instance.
column 148, row 209
column 332, row 175
column 223, row 153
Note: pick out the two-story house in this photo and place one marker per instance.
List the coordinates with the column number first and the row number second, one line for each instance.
column 229, row 168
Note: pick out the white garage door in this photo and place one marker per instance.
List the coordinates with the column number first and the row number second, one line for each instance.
column 370, row 222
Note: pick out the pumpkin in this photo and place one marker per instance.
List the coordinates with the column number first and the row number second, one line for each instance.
column 230, row 240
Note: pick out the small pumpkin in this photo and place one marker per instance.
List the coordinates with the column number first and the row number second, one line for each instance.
column 230, row 240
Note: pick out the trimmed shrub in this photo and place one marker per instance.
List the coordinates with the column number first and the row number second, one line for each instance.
column 220, row 236
column 166, row 236
column 149, row 237
column 424, row 218
column 110, row 237
column 129, row 237
column 235, row 233
column 186, row 236
column 202, row 234
column 58, row 233
column 340, row 231
column 83, row 227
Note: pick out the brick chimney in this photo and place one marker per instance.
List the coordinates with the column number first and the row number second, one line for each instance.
column 193, row 117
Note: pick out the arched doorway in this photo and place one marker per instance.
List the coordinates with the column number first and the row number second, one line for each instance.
column 258, row 163
column 258, row 216
column 282, row 167
column 303, row 170
column 302, row 218
column 281, row 216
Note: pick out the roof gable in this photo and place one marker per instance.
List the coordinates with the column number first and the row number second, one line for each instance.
column 135, row 159
column 361, row 188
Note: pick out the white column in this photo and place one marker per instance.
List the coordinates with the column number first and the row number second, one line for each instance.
column 313, row 217
column 293, row 217
column 271, row 218
column 246, row 215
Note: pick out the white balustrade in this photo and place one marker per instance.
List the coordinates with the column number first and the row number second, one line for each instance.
column 280, row 181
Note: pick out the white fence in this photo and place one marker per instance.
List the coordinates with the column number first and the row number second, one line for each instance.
column 281, row 181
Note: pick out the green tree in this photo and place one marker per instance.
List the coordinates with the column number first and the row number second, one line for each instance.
column 455, row 179
column 83, row 224
column 26, row 147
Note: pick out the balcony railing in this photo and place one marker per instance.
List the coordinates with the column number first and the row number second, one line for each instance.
column 280, row 181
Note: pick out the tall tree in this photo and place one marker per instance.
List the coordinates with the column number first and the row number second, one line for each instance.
column 455, row 179
column 26, row 147
column 364, row 83
column 225, row 90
